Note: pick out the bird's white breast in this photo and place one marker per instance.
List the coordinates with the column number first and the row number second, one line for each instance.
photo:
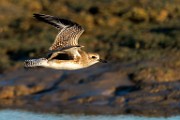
column 65, row 66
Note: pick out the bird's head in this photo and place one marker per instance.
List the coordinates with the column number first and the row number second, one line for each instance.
column 94, row 58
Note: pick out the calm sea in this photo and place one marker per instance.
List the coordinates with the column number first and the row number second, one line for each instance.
column 22, row 115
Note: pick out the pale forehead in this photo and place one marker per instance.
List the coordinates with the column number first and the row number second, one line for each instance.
column 93, row 54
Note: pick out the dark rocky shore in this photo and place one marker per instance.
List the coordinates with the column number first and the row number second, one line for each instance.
column 141, row 88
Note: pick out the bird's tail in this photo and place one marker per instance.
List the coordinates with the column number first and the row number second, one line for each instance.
column 35, row 62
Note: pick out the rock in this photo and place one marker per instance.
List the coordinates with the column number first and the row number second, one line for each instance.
column 159, row 17
column 100, row 89
column 120, row 100
column 113, row 21
column 19, row 90
column 27, row 90
column 163, row 15
column 138, row 15
column 156, row 74
column 7, row 92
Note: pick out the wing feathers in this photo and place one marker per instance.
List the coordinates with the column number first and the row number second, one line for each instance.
column 69, row 32
column 55, row 21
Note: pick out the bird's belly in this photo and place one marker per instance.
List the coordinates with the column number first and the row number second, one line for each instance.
column 65, row 66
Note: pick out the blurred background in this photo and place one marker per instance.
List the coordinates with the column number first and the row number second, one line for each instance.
column 139, row 38
column 121, row 30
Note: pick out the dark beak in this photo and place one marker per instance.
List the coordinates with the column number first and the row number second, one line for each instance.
column 103, row 61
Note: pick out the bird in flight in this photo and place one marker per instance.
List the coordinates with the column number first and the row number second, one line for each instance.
column 65, row 53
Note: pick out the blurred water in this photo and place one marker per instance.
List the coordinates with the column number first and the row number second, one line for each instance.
column 22, row 115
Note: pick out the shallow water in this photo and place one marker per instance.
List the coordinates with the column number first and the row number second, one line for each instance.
column 22, row 115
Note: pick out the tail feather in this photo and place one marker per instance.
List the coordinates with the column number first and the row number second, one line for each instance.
column 34, row 62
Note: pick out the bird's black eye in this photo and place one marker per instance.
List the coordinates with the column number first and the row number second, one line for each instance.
column 93, row 57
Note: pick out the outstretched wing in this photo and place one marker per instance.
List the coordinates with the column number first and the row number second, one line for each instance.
column 69, row 32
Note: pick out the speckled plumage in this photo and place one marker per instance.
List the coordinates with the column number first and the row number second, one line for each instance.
column 65, row 53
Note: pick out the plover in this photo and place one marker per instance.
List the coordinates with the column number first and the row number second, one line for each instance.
column 65, row 53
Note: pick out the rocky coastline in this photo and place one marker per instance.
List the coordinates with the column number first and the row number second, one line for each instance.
column 141, row 88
